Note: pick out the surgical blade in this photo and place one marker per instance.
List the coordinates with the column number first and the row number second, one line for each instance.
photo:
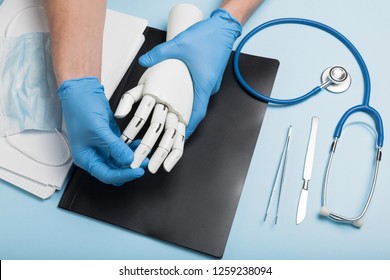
column 302, row 204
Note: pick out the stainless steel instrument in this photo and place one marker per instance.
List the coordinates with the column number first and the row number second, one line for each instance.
column 282, row 170
column 302, row 204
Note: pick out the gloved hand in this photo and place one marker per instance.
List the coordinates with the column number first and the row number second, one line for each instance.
column 205, row 48
column 93, row 133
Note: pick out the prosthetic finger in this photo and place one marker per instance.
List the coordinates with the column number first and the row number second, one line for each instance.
column 139, row 119
column 178, row 148
column 151, row 135
column 166, row 143
column 127, row 101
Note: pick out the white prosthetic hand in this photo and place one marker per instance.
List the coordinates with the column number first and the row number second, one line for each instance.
column 167, row 88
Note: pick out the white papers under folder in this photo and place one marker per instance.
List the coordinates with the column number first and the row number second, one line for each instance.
column 123, row 37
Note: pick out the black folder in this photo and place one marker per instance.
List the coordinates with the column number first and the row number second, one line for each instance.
column 193, row 205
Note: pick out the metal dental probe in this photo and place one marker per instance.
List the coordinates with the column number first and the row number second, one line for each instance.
column 283, row 161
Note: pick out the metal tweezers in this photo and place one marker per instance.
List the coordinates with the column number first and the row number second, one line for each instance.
column 282, row 170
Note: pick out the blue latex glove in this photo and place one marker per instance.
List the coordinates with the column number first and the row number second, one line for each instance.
column 205, row 48
column 93, row 132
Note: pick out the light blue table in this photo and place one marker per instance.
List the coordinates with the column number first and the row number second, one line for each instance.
column 34, row 229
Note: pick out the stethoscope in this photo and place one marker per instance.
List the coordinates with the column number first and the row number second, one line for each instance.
column 334, row 79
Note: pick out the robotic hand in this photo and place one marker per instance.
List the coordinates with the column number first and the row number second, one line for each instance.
column 167, row 87
column 93, row 134
column 205, row 48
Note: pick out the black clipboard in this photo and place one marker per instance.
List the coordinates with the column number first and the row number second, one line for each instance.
column 193, row 205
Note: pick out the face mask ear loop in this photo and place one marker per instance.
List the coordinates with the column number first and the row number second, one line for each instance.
column 7, row 137
column 25, row 153
column 17, row 15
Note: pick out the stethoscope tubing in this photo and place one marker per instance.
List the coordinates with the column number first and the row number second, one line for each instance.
column 365, row 107
column 315, row 24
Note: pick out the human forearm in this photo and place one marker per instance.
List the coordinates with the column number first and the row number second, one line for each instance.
column 77, row 37
column 241, row 9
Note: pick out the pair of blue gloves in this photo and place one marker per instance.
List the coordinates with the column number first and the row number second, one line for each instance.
column 92, row 131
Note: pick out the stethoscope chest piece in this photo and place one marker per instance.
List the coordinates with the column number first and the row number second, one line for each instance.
column 336, row 79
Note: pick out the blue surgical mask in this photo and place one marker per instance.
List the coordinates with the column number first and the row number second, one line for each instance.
column 28, row 99
column 27, row 85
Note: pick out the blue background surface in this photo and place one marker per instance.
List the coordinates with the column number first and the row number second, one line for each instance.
column 34, row 229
